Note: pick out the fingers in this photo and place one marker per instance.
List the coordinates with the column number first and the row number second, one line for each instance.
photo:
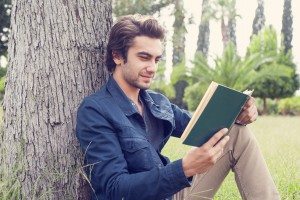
column 249, row 112
column 214, row 139
column 246, row 115
column 218, row 148
column 199, row 160
column 217, row 151
column 249, row 103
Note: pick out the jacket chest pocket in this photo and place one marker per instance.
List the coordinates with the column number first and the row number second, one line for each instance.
column 137, row 154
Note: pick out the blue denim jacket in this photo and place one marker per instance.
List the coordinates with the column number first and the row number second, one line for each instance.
column 120, row 161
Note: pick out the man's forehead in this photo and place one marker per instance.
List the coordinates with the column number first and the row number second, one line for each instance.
column 150, row 45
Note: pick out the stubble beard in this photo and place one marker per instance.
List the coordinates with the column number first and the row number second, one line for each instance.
column 136, row 82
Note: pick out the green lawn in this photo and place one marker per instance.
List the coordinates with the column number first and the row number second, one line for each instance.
column 279, row 139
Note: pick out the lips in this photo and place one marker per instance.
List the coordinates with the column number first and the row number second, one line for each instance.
column 147, row 76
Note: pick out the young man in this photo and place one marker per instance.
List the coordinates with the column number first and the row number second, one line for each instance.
column 123, row 127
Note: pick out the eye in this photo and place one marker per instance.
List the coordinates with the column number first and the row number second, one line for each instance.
column 157, row 60
column 144, row 58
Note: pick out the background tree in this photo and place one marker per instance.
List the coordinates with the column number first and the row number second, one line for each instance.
column 232, row 23
column 225, row 12
column 287, row 26
column 265, row 44
column 178, row 40
column 5, row 6
column 204, row 31
column 259, row 19
column 56, row 58
column 179, row 33
column 229, row 69
column 159, row 83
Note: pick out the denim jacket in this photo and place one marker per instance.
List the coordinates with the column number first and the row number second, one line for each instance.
column 120, row 162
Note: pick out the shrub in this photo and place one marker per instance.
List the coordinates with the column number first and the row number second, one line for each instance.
column 2, row 87
column 272, row 106
column 289, row 106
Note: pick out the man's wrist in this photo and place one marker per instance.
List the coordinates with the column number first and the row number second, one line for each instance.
column 187, row 172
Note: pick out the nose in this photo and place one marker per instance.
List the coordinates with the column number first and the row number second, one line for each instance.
column 152, row 66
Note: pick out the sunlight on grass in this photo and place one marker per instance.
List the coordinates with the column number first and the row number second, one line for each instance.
column 279, row 140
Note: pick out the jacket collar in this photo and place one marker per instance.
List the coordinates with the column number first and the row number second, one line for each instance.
column 120, row 97
column 126, row 105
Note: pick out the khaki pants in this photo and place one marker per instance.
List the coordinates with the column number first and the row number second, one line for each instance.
column 243, row 156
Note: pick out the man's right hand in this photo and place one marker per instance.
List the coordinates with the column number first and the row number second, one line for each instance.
column 200, row 159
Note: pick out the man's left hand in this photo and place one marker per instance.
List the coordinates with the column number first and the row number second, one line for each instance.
column 249, row 113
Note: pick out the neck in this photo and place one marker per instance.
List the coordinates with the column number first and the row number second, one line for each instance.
column 130, row 91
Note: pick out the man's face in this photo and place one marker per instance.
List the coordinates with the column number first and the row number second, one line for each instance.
column 142, row 60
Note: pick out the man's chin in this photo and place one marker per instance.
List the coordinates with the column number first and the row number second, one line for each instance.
column 144, row 86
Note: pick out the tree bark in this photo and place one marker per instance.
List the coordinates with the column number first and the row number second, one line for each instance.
column 179, row 33
column 56, row 53
column 204, row 31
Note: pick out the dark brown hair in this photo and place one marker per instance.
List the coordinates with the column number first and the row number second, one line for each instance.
column 125, row 30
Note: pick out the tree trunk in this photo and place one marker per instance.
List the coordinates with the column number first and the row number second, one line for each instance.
column 179, row 33
column 56, row 55
column 204, row 31
column 287, row 26
column 265, row 106
column 259, row 19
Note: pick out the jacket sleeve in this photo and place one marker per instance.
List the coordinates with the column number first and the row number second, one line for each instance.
column 107, row 168
column 182, row 118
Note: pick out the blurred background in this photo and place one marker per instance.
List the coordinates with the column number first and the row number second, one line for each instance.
column 242, row 44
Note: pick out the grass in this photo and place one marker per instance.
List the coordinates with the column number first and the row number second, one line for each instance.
column 279, row 140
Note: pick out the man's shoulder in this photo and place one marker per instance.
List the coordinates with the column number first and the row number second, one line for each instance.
column 100, row 97
column 157, row 97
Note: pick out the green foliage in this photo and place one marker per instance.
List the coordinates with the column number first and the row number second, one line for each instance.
column 289, row 106
column 286, row 106
column 230, row 70
column 10, row 186
column 3, row 71
column 2, row 87
column 179, row 72
column 271, row 105
column 284, row 85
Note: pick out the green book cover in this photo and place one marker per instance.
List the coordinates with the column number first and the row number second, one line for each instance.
column 218, row 109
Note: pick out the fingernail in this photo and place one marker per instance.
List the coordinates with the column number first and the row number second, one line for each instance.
column 225, row 130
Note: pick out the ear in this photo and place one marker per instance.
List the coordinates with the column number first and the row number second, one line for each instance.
column 117, row 57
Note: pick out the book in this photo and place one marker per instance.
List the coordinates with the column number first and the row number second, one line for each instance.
column 219, row 108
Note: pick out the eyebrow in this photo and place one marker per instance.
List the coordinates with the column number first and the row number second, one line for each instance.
column 144, row 53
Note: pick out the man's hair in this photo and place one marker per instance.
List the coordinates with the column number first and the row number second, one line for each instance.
column 125, row 30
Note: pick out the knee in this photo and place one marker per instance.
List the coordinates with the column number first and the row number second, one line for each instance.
column 241, row 136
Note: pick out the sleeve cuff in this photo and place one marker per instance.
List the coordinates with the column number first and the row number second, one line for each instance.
column 177, row 176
